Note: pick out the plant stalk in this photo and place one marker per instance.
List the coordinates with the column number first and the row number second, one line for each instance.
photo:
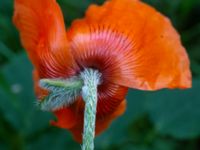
column 91, row 80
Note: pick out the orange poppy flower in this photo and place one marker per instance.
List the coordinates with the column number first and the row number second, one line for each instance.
column 128, row 41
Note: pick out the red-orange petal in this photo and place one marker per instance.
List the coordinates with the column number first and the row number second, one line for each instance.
column 66, row 118
column 42, row 32
column 132, row 45
column 110, row 96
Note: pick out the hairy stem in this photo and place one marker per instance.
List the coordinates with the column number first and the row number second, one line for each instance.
column 63, row 92
column 91, row 80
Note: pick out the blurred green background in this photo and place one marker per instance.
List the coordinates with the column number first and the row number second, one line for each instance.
column 162, row 120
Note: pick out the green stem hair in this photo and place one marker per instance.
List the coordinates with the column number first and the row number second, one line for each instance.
column 63, row 92
column 91, row 80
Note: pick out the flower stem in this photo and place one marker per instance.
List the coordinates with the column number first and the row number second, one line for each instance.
column 91, row 80
column 63, row 92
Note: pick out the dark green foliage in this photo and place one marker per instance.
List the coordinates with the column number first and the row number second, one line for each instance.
column 162, row 120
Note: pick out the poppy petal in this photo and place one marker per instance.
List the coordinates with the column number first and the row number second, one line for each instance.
column 110, row 97
column 138, row 48
column 43, row 35
column 66, row 118
column 103, row 123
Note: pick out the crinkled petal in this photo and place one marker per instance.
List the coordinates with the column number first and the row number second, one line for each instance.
column 66, row 118
column 110, row 97
column 43, row 35
column 132, row 44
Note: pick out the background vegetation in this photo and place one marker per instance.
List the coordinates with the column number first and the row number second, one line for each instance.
column 163, row 120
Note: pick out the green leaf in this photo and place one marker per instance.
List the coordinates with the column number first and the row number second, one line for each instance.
column 187, row 6
column 5, row 51
column 18, row 100
column 176, row 112
column 75, row 9
column 53, row 139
